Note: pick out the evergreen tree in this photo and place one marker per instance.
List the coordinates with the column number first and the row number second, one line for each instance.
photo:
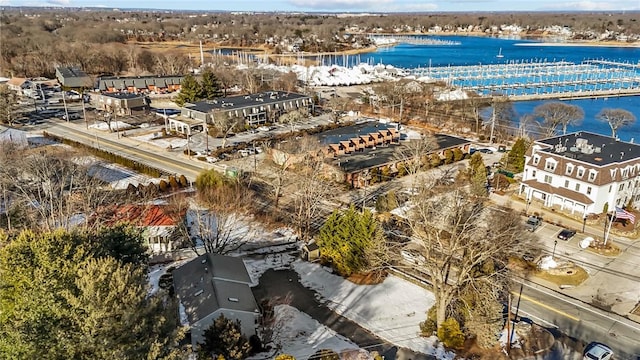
column 224, row 337
column 190, row 90
column 477, row 174
column 448, row 156
column 58, row 294
column 515, row 157
column 352, row 241
column 209, row 85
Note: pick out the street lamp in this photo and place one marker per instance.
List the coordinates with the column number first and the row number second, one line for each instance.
column 555, row 243
column 526, row 210
column 584, row 222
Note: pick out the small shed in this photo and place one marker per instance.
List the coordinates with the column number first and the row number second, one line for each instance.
column 311, row 252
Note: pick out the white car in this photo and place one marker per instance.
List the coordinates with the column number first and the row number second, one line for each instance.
column 597, row 351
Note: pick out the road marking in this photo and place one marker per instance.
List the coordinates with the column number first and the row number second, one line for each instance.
column 531, row 300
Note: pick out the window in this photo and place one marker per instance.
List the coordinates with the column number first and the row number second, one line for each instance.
column 533, row 174
column 569, row 169
column 536, row 159
column 566, row 183
column 550, row 165
column 548, row 179
column 621, row 187
column 610, row 187
column 580, row 172
column 577, row 187
column 588, row 190
column 592, row 175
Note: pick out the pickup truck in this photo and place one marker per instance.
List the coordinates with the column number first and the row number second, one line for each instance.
column 533, row 222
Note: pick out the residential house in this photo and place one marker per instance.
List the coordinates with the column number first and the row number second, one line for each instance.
column 139, row 84
column 582, row 173
column 158, row 224
column 212, row 285
column 121, row 103
column 255, row 109
column 19, row 85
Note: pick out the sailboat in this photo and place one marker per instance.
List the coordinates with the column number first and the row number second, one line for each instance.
column 500, row 54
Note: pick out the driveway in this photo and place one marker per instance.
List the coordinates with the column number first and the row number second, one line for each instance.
column 282, row 282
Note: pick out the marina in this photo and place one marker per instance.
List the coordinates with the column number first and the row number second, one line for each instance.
column 541, row 79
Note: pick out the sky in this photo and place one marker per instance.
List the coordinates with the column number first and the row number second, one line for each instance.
column 348, row 5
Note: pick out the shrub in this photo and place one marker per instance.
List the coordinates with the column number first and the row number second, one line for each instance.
column 429, row 326
column 450, row 334
column 285, row 357
column 183, row 181
column 457, row 154
column 163, row 186
column 325, row 354
column 448, row 156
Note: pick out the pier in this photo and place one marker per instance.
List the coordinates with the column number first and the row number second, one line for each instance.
column 534, row 80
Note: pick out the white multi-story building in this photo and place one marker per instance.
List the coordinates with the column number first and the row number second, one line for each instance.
column 581, row 172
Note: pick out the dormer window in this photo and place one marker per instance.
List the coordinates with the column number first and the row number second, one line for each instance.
column 569, row 169
column 580, row 171
column 592, row 175
column 550, row 165
column 625, row 173
column 536, row 159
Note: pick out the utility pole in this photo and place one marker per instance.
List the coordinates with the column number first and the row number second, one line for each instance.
column 509, row 326
column 493, row 119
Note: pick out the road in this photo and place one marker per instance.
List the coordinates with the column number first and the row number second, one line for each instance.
column 170, row 163
column 576, row 319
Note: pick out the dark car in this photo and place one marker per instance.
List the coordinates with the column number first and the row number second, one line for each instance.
column 566, row 234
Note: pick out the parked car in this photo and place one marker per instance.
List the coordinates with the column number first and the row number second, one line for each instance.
column 533, row 222
column 566, row 234
column 597, row 351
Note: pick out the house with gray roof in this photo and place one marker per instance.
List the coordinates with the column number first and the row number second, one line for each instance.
column 120, row 103
column 212, row 285
column 582, row 173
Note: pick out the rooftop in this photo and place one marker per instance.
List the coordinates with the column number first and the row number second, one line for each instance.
column 374, row 157
column 242, row 101
column 71, row 72
column 122, row 96
column 591, row 148
column 202, row 286
column 352, row 131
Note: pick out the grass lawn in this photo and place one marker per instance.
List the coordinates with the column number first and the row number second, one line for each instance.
column 577, row 276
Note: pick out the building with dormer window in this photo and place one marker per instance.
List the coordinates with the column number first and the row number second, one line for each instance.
column 581, row 172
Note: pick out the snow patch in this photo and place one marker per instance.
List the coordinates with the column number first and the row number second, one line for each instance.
column 392, row 310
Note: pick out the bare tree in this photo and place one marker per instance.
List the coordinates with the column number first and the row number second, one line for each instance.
column 459, row 238
column 414, row 154
column 224, row 123
column 292, row 118
column 338, row 106
column 312, row 189
column 219, row 222
column 558, row 114
column 616, row 118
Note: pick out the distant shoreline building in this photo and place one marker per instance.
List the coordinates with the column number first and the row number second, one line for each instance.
column 139, row 84
column 582, row 172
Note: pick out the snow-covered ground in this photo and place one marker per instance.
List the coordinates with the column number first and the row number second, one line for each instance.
column 339, row 75
column 299, row 335
column 115, row 126
column 392, row 310
column 164, row 143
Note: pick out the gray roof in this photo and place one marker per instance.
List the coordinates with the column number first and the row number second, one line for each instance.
column 244, row 101
column 352, row 131
column 229, row 268
column 605, row 149
column 73, row 77
column 122, row 96
column 370, row 157
column 140, row 82
column 211, row 282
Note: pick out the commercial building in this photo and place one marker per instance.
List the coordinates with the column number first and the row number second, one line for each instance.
column 120, row 103
column 255, row 109
column 72, row 77
column 582, row 173
column 139, row 84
